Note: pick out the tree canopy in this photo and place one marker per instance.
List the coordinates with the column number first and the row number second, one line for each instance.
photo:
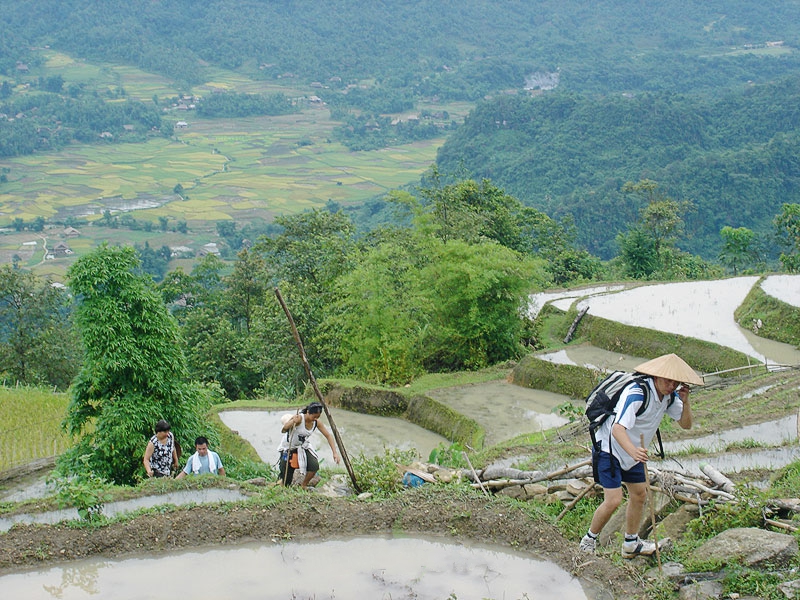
column 134, row 370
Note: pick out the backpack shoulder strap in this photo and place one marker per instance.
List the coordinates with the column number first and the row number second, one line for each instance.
column 645, row 387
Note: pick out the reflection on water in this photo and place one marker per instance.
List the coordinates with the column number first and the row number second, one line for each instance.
column 361, row 434
column 503, row 409
column 770, row 434
column 357, row 568
column 112, row 509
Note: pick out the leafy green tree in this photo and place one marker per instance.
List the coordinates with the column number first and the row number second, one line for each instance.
column 638, row 253
column 304, row 261
column 787, row 225
column 37, row 342
column 216, row 352
column 134, row 372
column 477, row 293
column 379, row 313
column 420, row 303
column 739, row 248
column 247, row 286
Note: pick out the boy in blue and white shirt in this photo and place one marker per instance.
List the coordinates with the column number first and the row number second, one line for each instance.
column 202, row 461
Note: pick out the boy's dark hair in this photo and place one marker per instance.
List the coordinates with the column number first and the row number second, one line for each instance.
column 162, row 425
column 200, row 440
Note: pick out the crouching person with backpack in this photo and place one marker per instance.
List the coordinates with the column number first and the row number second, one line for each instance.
column 662, row 388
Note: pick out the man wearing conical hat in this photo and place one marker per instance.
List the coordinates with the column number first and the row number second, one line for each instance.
column 664, row 389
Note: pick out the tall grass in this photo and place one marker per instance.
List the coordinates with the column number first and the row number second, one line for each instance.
column 30, row 425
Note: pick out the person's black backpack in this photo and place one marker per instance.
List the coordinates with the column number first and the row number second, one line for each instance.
column 602, row 402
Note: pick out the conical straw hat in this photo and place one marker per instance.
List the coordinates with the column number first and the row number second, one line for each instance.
column 670, row 366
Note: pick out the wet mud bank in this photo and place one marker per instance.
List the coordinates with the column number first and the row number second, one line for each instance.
column 452, row 515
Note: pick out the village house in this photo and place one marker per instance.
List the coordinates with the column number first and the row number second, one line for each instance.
column 209, row 248
column 61, row 250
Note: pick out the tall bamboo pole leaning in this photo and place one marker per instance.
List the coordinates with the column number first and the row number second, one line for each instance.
column 313, row 381
column 651, row 502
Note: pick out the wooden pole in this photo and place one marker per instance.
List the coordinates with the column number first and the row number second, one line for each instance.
column 313, row 381
column 575, row 500
column 652, row 509
column 475, row 473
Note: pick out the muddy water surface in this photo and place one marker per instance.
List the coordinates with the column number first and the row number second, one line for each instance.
column 113, row 509
column 370, row 568
column 362, row 434
column 594, row 358
column 503, row 409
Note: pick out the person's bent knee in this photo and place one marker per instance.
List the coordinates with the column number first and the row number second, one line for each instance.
column 611, row 500
column 637, row 494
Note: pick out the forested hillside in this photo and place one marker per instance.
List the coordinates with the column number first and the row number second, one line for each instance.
column 734, row 157
column 698, row 97
column 462, row 49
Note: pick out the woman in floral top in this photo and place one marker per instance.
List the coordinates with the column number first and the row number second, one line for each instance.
column 161, row 454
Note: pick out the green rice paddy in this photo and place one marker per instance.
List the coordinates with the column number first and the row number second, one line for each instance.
column 247, row 169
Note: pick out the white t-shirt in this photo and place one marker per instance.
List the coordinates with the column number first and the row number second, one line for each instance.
column 629, row 403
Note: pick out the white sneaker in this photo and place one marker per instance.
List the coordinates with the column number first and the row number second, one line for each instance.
column 588, row 544
column 637, row 547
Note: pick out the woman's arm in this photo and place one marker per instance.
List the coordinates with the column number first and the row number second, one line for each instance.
column 331, row 442
column 146, row 460
column 174, row 455
column 293, row 422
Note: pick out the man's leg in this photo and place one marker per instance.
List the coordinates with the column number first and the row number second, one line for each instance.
column 637, row 494
column 633, row 546
column 612, row 498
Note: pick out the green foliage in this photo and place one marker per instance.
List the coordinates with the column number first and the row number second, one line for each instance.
column 747, row 512
column 134, row 372
column 739, row 248
column 786, row 482
column 38, row 344
column 570, row 411
column 85, row 491
column 778, row 320
column 449, row 456
column 232, row 104
column 787, row 224
column 638, row 253
column 380, row 475
column 594, row 144
column 748, row 582
column 424, row 304
column 81, row 119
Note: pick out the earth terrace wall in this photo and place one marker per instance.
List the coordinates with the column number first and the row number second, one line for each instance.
column 418, row 409
column 705, row 357
column 779, row 321
column 577, row 382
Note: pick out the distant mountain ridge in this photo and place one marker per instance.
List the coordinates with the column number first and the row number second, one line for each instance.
column 736, row 158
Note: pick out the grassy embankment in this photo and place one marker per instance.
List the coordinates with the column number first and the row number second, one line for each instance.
column 779, row 321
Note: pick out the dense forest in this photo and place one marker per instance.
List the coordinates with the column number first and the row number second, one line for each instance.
column 735, row 157
column 459, row 49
